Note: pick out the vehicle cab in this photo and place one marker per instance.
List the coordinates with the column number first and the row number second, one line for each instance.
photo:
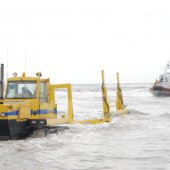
column 32, row 94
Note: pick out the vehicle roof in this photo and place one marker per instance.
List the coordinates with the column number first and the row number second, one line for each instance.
column 25, row 79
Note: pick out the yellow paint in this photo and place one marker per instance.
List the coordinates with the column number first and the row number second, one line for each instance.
column 93, row 121
column 24, row 112
column 69, row 97
column 58, row 121
column 106, row 105
column 119, row 98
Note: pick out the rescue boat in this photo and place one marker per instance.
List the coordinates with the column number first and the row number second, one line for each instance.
column 28, row 103
column 161, row 87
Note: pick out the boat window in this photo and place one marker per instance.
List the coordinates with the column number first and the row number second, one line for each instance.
column 161, row 79
column 43, row 92
column 21, row 89
column 165, row 79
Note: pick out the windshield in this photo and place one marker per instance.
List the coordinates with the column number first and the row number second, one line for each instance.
column 21, row 89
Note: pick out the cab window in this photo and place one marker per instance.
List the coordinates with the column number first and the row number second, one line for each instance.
column 43, row 92
column 21, row 89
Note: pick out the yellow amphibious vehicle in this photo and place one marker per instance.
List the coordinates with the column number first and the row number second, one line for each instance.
column 28, row 103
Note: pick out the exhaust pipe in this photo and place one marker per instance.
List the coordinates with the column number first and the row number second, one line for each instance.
column 1, row 81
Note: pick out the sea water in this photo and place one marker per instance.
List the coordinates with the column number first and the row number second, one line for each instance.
column 137, row 141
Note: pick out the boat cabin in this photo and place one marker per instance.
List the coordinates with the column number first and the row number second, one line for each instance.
column 164, row 79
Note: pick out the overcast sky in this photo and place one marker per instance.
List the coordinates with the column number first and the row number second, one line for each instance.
column 72, row 40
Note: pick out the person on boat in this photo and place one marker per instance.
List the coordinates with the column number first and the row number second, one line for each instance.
column 156, row 82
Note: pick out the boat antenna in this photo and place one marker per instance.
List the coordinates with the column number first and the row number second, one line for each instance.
column 167, row 67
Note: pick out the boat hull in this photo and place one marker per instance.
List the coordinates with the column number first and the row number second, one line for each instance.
column 160, row 91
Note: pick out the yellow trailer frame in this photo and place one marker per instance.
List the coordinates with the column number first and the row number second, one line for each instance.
column 107, row 114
